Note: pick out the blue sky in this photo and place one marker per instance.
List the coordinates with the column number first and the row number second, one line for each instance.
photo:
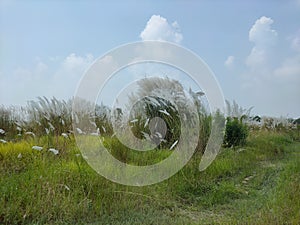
column 253, row 47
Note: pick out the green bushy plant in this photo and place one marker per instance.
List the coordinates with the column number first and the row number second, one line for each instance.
column 236, row 132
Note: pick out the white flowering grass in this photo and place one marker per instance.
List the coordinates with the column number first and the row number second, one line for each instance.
column 54, row 151
column 38, row 148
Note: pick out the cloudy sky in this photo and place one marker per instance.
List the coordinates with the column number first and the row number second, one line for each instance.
column 253, row 47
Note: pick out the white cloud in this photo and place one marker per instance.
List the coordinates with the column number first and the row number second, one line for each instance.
column 158, row 28
column 257, row 58
column 68, row 75
column 261, row 33
column 38, row 71
column 264, row 38
column 296, row 43
column 23, row 84
column 290, row 69
column 271, row 79
column 107, row 59
column 77, row 63
column 229, row 61
column 22, row 74
column 41, row 68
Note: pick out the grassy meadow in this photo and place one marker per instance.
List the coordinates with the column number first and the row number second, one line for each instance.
column 44, row 178
column 258, row 183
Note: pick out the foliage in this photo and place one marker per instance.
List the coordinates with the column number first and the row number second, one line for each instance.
column 254, row 185
column 8, row 118
column 236, row 132
column 156, row 107
column 165, row 98
column 49, row 115
column 297, row 121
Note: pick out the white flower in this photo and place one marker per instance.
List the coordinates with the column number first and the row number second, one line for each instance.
column 134, row 121
column 146, row 136
column 51, row 126
column 164, row 112
column 30, row 133
column 65, row 135
column 146, row 123
column 158, row 134
column 79, row 131
column 93, row 123
column 3, row 141
column 54, row 151
column 173, row 145
column 67, row 188
column 38, row 148
column 103, row 128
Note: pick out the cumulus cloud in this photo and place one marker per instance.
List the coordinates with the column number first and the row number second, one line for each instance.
column 268, row 69
column 158, row 28
column 264, row 38
column 261, row 33
column 229, row 61
column 77, row 63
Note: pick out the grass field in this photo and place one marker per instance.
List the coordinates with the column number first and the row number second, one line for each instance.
column 256, row 184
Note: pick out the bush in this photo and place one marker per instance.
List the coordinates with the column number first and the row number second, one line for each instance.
column 236, row 133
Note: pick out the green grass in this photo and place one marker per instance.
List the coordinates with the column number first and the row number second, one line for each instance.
column 256, row 184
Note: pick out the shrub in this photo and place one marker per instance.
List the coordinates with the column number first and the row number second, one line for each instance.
column 236, row 132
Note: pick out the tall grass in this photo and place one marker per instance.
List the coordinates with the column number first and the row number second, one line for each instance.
column 256, row 184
